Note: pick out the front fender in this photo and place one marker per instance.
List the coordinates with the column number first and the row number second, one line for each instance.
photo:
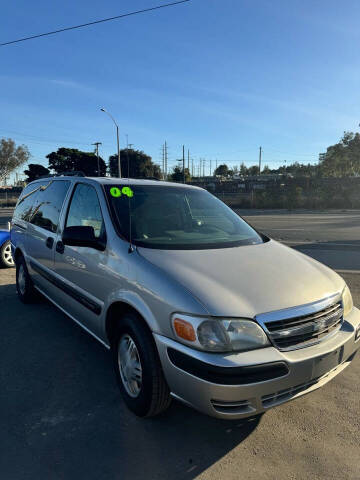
column 4, row 236
column 135, row 301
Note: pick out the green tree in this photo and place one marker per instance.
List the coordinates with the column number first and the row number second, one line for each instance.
column 222, row 170
column 35, row 171
column 294, row 195
column 71, row 159
column 11, row 157
column 243, row 169
column 178, row 176
column 254, row 170
column 343, row 158
column 134, row 163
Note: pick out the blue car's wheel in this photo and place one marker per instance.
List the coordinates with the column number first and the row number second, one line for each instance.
column 6, row 259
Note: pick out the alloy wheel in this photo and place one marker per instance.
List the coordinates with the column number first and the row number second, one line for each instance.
column 7, row 256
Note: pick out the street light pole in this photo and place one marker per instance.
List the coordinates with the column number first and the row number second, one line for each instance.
column 118, row 148
column 117, row 138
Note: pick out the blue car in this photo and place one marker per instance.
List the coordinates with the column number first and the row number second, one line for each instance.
column 6, row 259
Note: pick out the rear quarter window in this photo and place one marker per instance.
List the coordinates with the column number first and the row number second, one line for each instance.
column 49, row 202
column 26, row 201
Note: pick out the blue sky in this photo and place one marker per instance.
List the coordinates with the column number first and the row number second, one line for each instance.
column 220, row 76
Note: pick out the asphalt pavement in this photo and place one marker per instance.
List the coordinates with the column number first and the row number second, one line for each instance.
column 332, row 238
column 62, row 417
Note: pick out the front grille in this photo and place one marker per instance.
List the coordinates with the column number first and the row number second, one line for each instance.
column 305, row 330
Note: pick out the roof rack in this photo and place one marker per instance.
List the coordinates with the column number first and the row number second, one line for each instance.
column 49, row 175
column 64, row 174
column 71, row 174
column 147, row 178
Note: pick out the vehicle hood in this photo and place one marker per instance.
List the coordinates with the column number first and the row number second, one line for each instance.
column 248, row 280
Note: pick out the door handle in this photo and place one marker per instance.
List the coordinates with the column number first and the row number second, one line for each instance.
column 49, row 242
column 60, row 247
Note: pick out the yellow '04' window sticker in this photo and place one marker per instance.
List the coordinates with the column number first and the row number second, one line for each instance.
column 119, row 191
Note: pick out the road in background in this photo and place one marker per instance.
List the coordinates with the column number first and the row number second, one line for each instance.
column 5, row 216
column 331, row 238
column 306, row 226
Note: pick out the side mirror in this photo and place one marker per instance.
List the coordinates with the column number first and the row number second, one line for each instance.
column 82, row 237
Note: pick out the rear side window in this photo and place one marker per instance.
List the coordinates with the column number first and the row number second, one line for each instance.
column 49, row 202
column 85, row 210
column 27, row 201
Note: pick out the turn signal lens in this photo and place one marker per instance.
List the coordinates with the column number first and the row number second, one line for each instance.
column 184, row 330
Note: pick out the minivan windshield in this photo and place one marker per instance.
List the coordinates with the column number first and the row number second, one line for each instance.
column 176, row 218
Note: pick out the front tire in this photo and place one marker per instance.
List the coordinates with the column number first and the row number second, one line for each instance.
column 138, row 369
column 24, row 285
column 6, row 259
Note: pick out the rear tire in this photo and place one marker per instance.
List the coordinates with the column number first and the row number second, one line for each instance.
column 24, row 285
column 6, row 259
column 138, row 369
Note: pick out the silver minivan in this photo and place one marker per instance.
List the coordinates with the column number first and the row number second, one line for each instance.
column 193, row 303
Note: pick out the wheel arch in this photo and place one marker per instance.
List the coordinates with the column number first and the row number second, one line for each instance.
column 114, row 314
column 18, row 254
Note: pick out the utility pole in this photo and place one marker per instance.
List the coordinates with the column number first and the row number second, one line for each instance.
column 183, row 160
column 204, row 161
column 97, row 154
column 210, row 167
column 163, row 161
column 166, row 159
column 192, row 167
column 260, row 150
column 188, row 160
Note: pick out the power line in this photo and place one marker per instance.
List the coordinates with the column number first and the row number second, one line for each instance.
column 94, row 22
column 48, row 141
column 292, row 154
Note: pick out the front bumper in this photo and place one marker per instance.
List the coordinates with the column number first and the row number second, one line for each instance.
column 197, row 378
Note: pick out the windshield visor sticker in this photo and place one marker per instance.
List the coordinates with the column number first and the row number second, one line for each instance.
column 118, row 192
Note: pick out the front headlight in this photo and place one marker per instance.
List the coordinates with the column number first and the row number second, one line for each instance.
column 347, row 301
column 219, row 335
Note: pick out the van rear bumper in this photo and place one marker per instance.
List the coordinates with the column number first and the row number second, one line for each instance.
column 240, row 385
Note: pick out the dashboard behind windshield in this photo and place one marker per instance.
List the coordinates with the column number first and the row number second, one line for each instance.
column 176, row 218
